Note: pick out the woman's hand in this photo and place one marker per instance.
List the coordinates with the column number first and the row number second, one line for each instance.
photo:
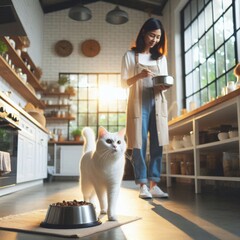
column 145, row 73
column 162, row 87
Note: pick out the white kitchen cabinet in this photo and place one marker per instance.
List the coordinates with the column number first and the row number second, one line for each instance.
column 41, row 146
column 25, row 169
column 32, row 152
column 69, row 160
column 206, row 159
column 65, row 159
column 26, row 151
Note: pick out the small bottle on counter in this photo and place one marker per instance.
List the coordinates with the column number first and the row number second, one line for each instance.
column 230, row 86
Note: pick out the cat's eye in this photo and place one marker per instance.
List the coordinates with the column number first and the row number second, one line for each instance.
column 109, row 141
column 119, row 142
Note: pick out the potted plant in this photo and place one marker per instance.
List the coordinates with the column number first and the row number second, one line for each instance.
column 76, row 133
column 63, row 79
column 70, row 90
column 3, row 48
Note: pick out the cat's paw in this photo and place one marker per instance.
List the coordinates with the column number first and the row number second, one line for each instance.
column 112, row 218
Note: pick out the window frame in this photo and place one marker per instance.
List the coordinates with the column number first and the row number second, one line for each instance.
column 212, row 86
column 77, row 99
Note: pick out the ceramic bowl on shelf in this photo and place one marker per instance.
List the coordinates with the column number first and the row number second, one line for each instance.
column 177, row 143
column 187, row 142
column 233, row 134
column 222, row 136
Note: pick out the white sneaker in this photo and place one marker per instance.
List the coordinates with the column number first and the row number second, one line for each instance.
column 158, row 193
column 144, row 193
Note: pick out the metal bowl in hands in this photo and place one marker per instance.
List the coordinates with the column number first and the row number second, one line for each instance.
column 166, row 81
column 67, row 215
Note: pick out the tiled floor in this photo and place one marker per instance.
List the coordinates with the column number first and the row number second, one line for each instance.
column 183, row 216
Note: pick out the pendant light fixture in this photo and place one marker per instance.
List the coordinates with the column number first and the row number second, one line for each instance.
column 117, row 16
column 80, row 13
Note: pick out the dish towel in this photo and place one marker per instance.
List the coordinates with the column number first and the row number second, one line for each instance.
column 5, row 163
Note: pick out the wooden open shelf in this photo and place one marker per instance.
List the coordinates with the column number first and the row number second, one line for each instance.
column 57, row 106
column 20, row 86
column 19, row 63
column 60, row 118
column 206, row 154
column 55, row 94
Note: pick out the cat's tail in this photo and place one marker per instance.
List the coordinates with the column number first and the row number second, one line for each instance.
column 89, row 140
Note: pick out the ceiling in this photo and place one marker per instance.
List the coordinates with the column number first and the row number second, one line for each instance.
column 150, row 6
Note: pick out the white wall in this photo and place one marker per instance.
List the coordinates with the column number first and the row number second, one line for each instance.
column 171, row 20
column 114, row 40
column 31, row 16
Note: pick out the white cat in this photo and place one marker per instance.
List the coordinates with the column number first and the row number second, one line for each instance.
column 102, row 167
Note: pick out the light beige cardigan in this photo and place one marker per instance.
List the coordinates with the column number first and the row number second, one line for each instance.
column 134, row 106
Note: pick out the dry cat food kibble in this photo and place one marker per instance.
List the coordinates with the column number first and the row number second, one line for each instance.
column 70, row 203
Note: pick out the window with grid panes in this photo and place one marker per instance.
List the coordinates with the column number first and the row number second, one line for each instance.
column 209, row 46
column 99, row 101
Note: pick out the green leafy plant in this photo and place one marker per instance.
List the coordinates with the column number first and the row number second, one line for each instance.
column 3, row 47
column 62, row 80
column 76, row 132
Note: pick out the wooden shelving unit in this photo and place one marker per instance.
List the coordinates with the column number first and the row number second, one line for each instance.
column 18, row 62
column 60, row 118
column 206, row 156
column 58, row 107
column 15, row 81
column 57, row 94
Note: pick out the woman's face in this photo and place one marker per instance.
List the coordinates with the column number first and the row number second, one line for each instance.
column 152, row 38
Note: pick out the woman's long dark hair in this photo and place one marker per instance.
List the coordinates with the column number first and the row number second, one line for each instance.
column 160, row 48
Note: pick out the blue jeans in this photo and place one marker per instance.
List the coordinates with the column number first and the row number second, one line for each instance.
column 148, row 171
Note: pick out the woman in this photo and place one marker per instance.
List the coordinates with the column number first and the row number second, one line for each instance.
column 147, row 106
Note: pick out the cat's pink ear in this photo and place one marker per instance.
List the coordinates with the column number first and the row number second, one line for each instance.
column 101, row 132
column 122, row 132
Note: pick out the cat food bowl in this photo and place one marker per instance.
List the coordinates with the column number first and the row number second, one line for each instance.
column 166, row 81
column 70, row 214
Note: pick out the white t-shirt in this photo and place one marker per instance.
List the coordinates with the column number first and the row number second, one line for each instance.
column 129, row 63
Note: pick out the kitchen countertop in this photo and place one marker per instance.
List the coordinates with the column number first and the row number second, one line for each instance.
column 208, row 105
